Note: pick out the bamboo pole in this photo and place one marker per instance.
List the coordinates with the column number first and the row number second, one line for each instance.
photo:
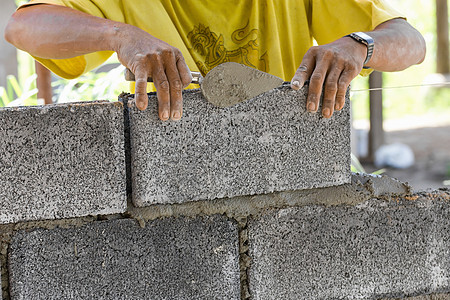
column 442, row 31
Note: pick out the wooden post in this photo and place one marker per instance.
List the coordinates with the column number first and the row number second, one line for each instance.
column 376, row 132
column 443, row 54
column 44, row 83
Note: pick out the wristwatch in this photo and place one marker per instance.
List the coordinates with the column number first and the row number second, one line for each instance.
column 365, row 39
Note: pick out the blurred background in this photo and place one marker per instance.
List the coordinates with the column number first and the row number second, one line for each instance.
column 402, row 130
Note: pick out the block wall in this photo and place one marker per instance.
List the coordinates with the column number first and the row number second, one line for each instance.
column 101, row 201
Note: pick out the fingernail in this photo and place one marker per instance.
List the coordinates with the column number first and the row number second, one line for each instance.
column 311, row 106
column 326, row 112
column 165, row 115
column 336, row 106
column 140, row 105
column 176, row 115
column 296, row 84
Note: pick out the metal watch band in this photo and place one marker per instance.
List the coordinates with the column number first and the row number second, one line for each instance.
column 365, row 39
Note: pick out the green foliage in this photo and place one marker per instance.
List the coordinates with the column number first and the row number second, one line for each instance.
column 20, row 2
column 18, row 94
column 438, row 98
column 91, row 86
column 358, row 168
column 356, row 165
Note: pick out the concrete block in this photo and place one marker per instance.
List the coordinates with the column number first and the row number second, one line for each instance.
column 425, row 297
column 377, row 249
column 61, row 161
column 171, row 258
column 269, row 143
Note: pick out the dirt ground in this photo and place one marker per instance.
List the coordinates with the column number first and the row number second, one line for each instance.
column 431, row 147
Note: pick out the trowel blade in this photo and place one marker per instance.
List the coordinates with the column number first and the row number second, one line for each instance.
column 232, row 83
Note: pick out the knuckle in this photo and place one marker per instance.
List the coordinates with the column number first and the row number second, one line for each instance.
column 331, row 86
column 164, row 86
column 316, row 77
column 154, row 57
column 141, row 81
column 351, row 67
column 139, row 57
column 342, row 87
column 340, row 60
column 313, row 97
column 328, row 101
column 176, row 84
column 313, row 50
column 302, row 69
column 177, row 53
column 167, row 52
column 186, row 77
column 327, row 53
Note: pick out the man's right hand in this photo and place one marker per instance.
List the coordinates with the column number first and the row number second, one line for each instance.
column 58, row 32
column 147, row 56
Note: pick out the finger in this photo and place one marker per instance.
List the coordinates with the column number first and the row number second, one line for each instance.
column 183, row 70
column 316, row 83
column 162, row 91
column 344, row 82
column 140, row 94
column 176, row 88
column 304, row 71
column 331, row 87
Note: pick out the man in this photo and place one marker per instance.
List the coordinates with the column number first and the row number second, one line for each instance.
column 164, row 39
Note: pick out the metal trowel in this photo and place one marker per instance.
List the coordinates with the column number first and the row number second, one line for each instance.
column 230, row 83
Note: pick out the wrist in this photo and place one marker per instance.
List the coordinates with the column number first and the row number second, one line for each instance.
column 366, row 40
column 115, row 33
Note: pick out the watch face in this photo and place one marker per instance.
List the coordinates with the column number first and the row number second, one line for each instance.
column 365, row 39
column 359, row 38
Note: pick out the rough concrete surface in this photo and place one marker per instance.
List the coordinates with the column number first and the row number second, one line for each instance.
column 425, row 297
column 269, row 143
column 7, row 231
column 376, row 249
column 170, row 258
column 61, row 161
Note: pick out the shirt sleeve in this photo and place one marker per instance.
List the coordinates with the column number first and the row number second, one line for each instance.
column 70, row 68
column 333, row 19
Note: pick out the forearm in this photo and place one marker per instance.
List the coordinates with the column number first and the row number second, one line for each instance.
column 397, row 46
column 57, row 32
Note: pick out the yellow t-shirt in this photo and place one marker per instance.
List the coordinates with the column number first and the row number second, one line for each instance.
column 270, row 35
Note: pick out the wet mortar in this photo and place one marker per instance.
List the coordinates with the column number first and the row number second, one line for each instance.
column 231, row 83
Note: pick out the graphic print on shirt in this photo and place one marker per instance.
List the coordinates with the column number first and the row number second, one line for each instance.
column 208, row 48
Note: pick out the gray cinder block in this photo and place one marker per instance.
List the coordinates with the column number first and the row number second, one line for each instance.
column 269, row 143
column 61, row 161
column 373, row 250
column 171, row 258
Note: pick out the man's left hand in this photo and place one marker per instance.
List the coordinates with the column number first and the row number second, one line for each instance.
column 331, row 67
